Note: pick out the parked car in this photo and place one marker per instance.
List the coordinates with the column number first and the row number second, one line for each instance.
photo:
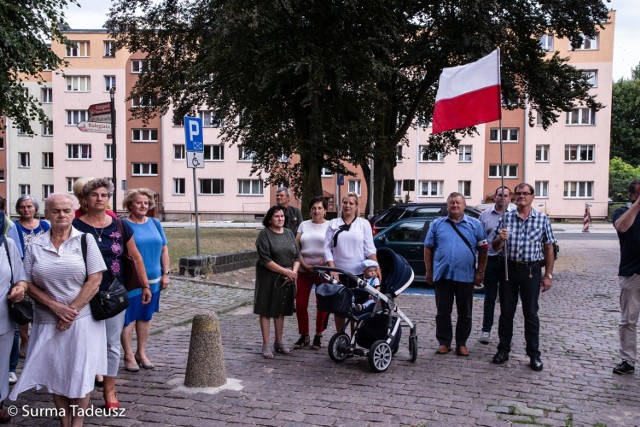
column 406, row 238
column 409, row 210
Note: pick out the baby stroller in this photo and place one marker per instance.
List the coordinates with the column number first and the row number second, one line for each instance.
column 377, row 332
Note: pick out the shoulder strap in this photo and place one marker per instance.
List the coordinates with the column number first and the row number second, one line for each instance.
column 83, row 245
column 121, row 230
column 462, row 237
column 8, row 259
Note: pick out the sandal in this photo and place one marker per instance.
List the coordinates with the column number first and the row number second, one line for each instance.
column 266, row 352
column 317, row 342
column 280, row 348
column 302, row 342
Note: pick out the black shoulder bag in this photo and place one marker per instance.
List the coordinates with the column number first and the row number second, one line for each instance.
column 464, row 239
column 20, row 312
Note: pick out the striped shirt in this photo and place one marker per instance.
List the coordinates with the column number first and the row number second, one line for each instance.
column 526, row 237
column 61, row 273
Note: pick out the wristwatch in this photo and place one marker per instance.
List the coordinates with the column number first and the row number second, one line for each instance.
column 549, row 275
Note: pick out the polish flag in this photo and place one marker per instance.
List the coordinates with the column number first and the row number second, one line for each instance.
column 468, row 94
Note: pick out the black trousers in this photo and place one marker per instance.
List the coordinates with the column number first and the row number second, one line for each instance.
column 446, row 291
column 528, row 289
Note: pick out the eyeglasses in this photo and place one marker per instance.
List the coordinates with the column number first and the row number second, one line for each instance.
column 522, row 193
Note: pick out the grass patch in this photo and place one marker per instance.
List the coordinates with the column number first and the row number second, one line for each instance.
column 182, row 242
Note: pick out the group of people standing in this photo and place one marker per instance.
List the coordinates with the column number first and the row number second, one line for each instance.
column 69, row 352
column 288, row 249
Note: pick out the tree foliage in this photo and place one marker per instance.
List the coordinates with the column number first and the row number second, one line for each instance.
column 625, row 119
column 345, row 80
column 26, row 29
column 621, row 174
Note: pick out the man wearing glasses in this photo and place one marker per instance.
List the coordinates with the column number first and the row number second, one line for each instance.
column 528, row 240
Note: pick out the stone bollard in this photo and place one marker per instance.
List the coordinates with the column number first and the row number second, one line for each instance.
column 205, row 364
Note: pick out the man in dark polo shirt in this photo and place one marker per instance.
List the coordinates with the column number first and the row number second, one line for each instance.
column 529, row 244
column 292, row 215
column 627, row 223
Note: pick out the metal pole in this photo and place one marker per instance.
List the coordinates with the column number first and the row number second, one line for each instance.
column 195, row 201
column 112, row 93
column 504, row 212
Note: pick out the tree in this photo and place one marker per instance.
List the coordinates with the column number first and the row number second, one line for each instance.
column 27, row 29
column 625, row 119
column 620, row 175
column 344, row 81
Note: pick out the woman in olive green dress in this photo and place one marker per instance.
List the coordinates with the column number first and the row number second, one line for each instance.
column 276, row 272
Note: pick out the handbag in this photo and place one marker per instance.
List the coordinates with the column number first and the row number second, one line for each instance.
column 109, row 302
column 128, row 265
column 20, row 312
column 334, row 298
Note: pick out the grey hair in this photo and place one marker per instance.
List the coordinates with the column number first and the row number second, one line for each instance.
column 53, row 196
column 31, row 199
column 283, row 190
column 97, row 183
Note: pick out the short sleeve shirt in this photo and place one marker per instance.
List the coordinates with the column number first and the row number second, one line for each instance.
column 629, row 246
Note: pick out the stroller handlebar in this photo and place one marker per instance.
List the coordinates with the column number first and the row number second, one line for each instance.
column 323, row 269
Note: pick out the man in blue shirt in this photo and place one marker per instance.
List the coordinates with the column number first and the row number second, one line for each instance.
column 529, row 244
column 454, row 246
column 627, row 223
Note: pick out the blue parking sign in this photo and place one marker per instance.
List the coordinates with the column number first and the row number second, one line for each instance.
column 193, row 134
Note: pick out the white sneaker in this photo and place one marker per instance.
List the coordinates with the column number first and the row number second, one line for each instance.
column 13, row 378
column 485, row 337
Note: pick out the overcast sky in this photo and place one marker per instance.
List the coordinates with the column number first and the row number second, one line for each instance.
column 626, row 54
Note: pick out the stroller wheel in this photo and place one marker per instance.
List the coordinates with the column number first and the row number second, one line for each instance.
column 339, row 347
column 379, row 356
column 413, row 348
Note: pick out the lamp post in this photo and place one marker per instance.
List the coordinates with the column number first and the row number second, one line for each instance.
column 112, row 93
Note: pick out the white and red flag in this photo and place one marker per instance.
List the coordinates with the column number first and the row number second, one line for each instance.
column 468, row 94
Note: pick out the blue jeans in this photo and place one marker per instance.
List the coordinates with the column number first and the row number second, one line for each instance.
column 492, row 274
column 15, row 351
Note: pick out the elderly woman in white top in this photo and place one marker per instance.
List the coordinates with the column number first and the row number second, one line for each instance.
column 7, row 326
column 67, row 346
column 349, row 241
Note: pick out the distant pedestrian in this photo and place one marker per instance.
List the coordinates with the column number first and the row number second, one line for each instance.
column 529, row 244
column 489, row 219
column 455, row 257
column 292, row 215
column 627, row 223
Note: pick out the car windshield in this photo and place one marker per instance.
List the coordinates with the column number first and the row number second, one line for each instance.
column 406, row 232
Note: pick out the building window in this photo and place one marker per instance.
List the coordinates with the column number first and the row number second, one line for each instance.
column 178, row 152
column 508, row 134
column 1, row 175
column 542, row 153
column 397, row 188
column 326, row 173
column 431, row 188
column 47, row 190
column 78, row 49
column 76, row 116
column 179, row 186
column 144, row 135
column 542, row 189
column 78, row 151
column 24, row 189
column 47, row 160
column 399, row 155
column 245, row 155
column 464, row 153
column 177, row 120
column 211, row 186
column 211, row 119
column 250, row 187
column 139, row 65
column 213, row 153
column 21, row 131
column 144, row 169
column 464, row 188
column 78, row 83
column 546, row 42
column 284, row 158
column 108, row 151
column 142, row 101
column 47, row 128
column 1, row 143
column 587, row 43
column 592, row 77
column 109, row 50
column 109, row 82
column 70, row 183
column 509, row 171
column 582, row 116
column 578, row 189
column 578, row 153
column 46, row 95
column 24, row 160
column 354, row 186
column 433, row 157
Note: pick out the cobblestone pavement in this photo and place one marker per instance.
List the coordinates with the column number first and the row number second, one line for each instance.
column 577, row 387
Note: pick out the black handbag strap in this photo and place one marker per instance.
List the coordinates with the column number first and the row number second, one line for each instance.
column 83, row 245
column 463, row 238
column 9, row 259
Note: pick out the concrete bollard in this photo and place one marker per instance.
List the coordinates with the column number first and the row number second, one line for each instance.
column 205, row 364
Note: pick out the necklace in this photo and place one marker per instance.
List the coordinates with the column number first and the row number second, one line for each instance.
column 101, row 230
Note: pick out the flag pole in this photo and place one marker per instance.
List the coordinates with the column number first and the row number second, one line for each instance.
column 504, row 250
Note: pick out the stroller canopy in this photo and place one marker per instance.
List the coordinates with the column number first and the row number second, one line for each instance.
column 397, row 275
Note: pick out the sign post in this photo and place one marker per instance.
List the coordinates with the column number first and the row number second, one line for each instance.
column 194, row 142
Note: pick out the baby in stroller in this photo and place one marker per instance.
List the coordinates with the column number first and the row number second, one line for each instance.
column 370, row 275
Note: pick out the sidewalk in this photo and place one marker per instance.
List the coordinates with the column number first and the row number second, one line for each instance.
column 578, row 342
